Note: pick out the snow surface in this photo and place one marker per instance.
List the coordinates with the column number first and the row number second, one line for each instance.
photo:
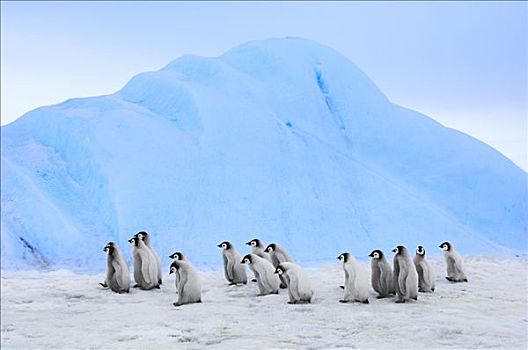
column 64, row 310
column 283, row 139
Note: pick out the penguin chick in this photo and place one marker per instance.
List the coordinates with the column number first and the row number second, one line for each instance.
column 117, row 273
column 299, row 288
column 189, row 287
column 356, row 280
column 405, row 275
column 426, row 277
column 455, row 271
column 234, row 271
column 145, row 267
column 268, row 282
column 278, row 256
column 382, row 278
column 146, row 238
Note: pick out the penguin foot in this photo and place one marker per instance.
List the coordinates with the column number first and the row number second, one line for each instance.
column 275, row 292
column 254, row 280
column 342, row 287
column 400, row 301
column 176, row 304
column 160, row 282
column 199, row 301
column 415, row 298
column 158, row 287
column 465, row 280
column 381, row 297
column 292, row 302
column 343, row 301
column 136, row 286
column 283, row 286
column 432, row 289
column 103, row 284
column 449, row 279
column 364, row 301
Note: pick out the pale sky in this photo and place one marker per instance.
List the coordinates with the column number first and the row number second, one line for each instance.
column 461, row 63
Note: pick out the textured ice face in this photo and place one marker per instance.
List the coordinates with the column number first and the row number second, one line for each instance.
column 285, row 137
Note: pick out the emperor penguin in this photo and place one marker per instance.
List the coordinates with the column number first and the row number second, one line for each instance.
column 234, row 271
column 268, row 282
column 455, row 271
column 146, row 238
column 257, row 248
column 381, row 276
column 145, row 267
column 299, row 288
column 189, row 287
column 405, row 275
column 356, row 280
column 178, row 256
column 117, row 274
column 426, row 276
column 278, row 256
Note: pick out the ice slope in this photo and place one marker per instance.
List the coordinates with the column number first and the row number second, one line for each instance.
column 281, row 139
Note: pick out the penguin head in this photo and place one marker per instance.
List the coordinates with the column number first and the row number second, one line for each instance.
column 176, row 256
column 134, row 241
column 446, row 246
column 254, row 243
column 142, row 235
column 270, row 248
column 376, row 254
column 420, row 250
column 280, row 269
column 344, row 257
column 225, row 245
column 248, row 259
column 174, row 267
column 109, row 248
column 399, row 250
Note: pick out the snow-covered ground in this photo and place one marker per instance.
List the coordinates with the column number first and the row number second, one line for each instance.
column 64, row 310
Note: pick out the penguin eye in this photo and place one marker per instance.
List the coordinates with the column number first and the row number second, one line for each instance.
column 224, row 245
column 253, row 243
column 173, row 269
column 246, row 261
column 376, row 255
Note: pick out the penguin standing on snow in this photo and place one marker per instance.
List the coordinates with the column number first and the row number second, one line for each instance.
column 381, row 277
column 268, row 282
column 146, row 238
column 405, row 276
column 278, row 256
column 426, row 277
column 299, row 288
column 234, row 271
column 189, row 286
column 356, row 280
column 145, row 266
column 117, row 274
column 455, row 271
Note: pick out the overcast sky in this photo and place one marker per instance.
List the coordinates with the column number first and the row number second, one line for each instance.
column 463, row 64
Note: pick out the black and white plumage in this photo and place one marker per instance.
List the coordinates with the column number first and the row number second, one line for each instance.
column 299, row 288
column 405, row 275
column 278, row 255
column 356, row 280
column 268, row 282
column 455, row 270
column 145, row 266
column 178, row 256
column 117, row 273
column 234, row 270
column 146, row 238
column 426, row 276
column 382, row 277
column 258, row 248
column 189, row 286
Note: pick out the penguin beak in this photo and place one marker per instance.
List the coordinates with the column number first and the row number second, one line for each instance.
column 242, row 262
column 338, row 257
column 170, row 271
column 130, row 240
column 394, row 250
column 219, row 246
column 440, row 246
column 248, row 243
